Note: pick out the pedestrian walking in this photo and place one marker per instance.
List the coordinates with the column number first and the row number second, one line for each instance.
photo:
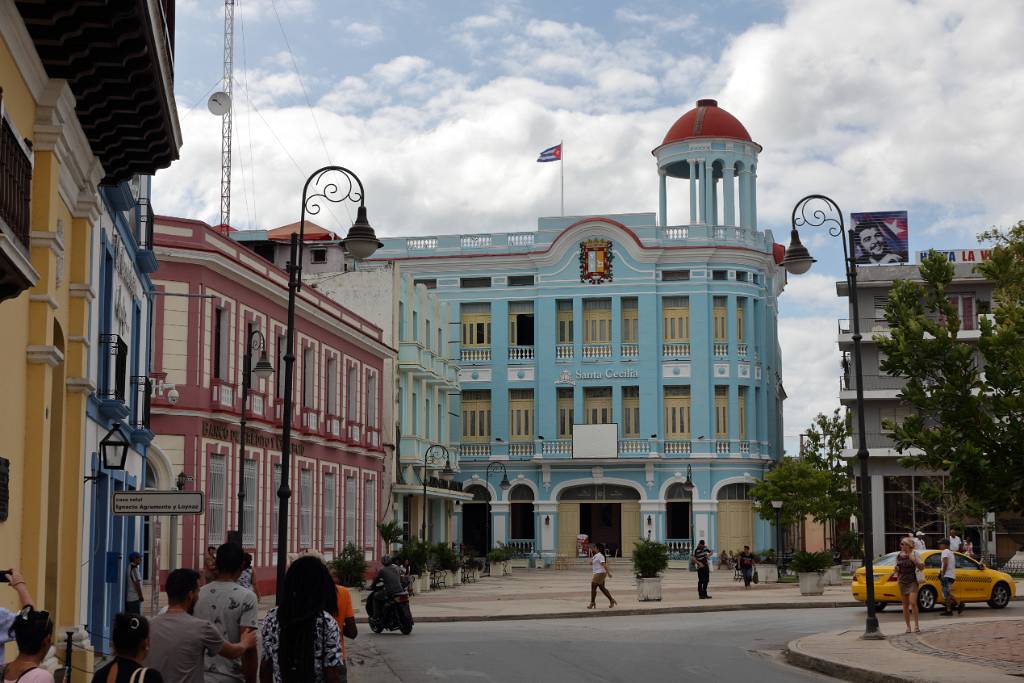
column 746, row 561
column 17, row 582
column 130, row 639
column 343, row 612
column 909, row 574
column 947, row 576
column 133, row 586
column 919, row 543
column 599, row 574
column 33, row 632
column 299, row 640
column 702, row 561
column 179, row 641
column 232, row 609
column 955, row 542
column 969, row 548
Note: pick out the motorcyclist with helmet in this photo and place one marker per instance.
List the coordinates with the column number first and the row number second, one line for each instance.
column 386, row 584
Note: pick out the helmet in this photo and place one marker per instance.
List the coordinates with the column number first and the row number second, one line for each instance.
column 386, row 560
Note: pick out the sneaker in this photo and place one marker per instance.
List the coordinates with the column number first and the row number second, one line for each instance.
column 960, row 607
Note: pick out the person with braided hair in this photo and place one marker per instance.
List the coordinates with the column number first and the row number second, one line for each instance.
column 300, row 641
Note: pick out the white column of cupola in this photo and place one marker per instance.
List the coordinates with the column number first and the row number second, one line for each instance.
column 727, row 194
column 693, row 190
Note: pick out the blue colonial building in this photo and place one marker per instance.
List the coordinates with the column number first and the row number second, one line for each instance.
column 622, row 373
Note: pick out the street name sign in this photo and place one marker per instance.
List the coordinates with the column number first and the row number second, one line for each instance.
column 157, row 503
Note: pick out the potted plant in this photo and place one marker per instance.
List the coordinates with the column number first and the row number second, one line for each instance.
column 418, row 554
column 499, row 559
column 809, row 568
column 445, row 558
column 351, row 566
column 650, row 558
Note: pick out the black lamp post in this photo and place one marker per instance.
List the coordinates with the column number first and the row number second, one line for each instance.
column 434, row 456
column 332, row 184
column 505, row 485
column 114, row 449
column 819, row 211
column 263, row 370
column 777, row 504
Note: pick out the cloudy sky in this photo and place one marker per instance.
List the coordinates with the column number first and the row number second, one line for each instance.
column 441, row 106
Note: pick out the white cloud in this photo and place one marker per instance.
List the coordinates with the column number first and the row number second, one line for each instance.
column 654, row 22
column 810, row 372
column 364, row 34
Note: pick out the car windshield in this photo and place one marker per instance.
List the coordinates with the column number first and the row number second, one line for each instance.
column 886, row 560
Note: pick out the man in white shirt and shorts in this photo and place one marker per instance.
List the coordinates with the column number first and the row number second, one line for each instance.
column 947, row 575
column 600, row 574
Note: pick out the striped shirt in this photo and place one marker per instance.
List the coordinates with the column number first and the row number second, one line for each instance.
column 701, row 555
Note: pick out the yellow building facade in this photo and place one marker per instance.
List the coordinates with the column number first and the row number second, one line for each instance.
column 52, row 165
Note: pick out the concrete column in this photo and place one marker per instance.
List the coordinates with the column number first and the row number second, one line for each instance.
column 693, row 191
column 662, row 199
column 744, row 184
column 753, row 198
column 707, row 187
column 714, row 194
column 727, row 194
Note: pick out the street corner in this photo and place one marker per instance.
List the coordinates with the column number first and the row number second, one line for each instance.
column 984, row 649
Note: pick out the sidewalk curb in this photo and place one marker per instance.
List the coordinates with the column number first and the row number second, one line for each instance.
column 847, row 672
column 682, row 609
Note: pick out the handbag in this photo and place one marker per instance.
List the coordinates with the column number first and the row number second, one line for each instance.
column 918, row 573
column 756, row 578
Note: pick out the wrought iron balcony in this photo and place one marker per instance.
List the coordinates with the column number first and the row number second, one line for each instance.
column 16, row 271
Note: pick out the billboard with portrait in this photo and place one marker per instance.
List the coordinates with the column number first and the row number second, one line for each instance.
column 880, row 238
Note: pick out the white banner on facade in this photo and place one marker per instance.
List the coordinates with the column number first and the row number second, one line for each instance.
column 595, row 441
column 157, row 503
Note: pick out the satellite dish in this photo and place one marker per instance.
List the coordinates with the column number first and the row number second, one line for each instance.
column 219, row 103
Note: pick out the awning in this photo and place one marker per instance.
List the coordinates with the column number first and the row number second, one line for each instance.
column 432, row 492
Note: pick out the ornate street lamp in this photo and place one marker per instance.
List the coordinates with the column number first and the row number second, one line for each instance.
column 330, row 184
column 114, row 449
column 432, row 458
column 819, row 211
column 263, row 370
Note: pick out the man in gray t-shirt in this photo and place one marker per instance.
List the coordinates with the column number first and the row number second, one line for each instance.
column 232, row 609
column 179, row 642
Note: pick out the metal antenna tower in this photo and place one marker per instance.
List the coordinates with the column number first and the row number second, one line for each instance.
column 225, row 128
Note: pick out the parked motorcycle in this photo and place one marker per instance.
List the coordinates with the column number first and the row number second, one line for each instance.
column 397, row 615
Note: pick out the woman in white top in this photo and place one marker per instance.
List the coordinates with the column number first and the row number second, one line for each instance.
column 600, row 566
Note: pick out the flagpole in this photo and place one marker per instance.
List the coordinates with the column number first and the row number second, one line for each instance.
column 561, row 171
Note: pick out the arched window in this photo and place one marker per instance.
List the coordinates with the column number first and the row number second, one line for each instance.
column 678, row 492
column 480, row 494
column 521, row 493
column 734, row 492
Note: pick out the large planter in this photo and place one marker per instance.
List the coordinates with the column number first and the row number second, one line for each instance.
column 834, row 575
column 811, row 583
column 648, row 590
column 456, row 577
column 767, row 573
column 520, row 562
column 422, row 583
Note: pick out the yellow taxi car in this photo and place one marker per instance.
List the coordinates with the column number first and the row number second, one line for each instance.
column 974, row 582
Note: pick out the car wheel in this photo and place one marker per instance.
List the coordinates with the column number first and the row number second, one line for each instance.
column 926, row 598
column 1000, row 596
column 880, row 606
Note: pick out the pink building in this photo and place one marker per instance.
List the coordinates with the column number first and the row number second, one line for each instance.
column 212, row 292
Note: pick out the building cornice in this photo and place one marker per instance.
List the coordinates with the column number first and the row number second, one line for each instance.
column 22, row 49
column 44, row 354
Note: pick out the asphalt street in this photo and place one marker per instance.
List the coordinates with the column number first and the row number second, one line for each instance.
column 716, row 646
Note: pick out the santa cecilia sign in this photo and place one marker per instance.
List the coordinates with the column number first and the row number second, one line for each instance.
column 570, row 378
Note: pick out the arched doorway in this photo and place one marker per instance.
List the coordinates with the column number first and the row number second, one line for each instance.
column 677, row 512
column 521, row 518
column 604, row 513
column 474, row 520
column 735, row 517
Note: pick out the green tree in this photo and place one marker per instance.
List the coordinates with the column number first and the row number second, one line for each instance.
column 797, row 483
column 966, row 423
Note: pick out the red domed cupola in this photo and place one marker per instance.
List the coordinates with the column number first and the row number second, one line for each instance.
column 706, row 120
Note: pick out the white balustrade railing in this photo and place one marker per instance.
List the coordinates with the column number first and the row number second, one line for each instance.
column 475, row 353
column 563, row 351
column 679, row 548
column 476, row 241
column 719, row 233
column 630, row 350
column 676, row 349
column 474, row 450
column 520, row 353
column 334, row 426
column 741, row 349
column 677, row 447
column 676, row 233
column 256, row 404
column 557, row 447
column 744, row 447
column 521, row 239
column 721, row 447
column 421, row 243
column 721, row 349
column 634, row 447
column 520, row 547
column 597, row 350
column 310, row 421
column 520, row 449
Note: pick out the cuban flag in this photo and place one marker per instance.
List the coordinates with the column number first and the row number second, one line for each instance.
column 551, row 154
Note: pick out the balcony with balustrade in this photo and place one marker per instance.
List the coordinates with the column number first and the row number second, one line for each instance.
column 564, row 352
column 721, row 349
column 475, row 354
column 519, row 354
column 678, row 448
column 629, row 350
column 596, row 351
column 675, row 349
column 16, row 271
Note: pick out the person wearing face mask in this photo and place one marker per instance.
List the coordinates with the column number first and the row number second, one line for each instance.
column 179, row 642
column 131, row 644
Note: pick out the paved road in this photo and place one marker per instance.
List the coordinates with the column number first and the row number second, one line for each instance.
column 719, row 647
